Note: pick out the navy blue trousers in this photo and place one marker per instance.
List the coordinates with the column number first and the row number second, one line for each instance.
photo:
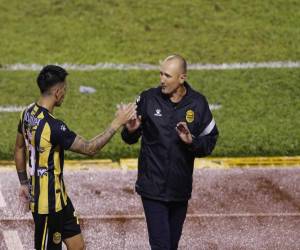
column 164, row 222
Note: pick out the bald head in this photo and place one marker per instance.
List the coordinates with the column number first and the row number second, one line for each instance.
column 178, row 61
column 173, row 75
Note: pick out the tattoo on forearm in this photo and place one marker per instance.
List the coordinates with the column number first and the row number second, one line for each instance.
column 93, row 146
column 23, row 177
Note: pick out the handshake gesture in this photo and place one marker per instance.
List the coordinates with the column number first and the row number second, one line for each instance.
column 126, row 115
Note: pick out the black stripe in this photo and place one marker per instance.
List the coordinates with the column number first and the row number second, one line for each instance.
column 51, row 181
column 61, row 158
column 63, row 190
column 23, row 115
column 31, row 108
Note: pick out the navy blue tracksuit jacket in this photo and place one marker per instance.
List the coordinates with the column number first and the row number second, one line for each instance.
column 165, row 165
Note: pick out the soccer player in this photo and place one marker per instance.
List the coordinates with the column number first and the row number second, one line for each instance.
column 45, row 138
column 176, row 125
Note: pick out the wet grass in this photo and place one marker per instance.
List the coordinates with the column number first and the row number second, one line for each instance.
column 126, row 31
column 260, row 113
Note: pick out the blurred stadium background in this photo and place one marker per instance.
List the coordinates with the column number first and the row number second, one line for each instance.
column 257, row 109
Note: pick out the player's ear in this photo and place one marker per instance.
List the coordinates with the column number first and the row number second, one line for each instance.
column 56, row 92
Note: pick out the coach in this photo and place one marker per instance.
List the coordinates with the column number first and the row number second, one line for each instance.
column 176, row 126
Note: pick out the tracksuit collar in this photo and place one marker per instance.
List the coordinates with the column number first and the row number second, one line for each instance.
column 187, row 98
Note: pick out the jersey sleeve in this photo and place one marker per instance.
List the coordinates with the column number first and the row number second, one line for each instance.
column 140, row 102
column 20, row 130
column 62, row 135
column 20, row 127
column 204, row 143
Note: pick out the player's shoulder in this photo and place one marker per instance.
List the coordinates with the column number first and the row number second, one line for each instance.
column 56, row 124
column 26, row 109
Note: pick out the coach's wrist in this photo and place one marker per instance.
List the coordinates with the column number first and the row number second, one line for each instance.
column 131, row 130
column 190, row 145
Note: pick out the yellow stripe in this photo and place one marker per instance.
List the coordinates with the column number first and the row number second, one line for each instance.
column 247, row 161
column 44, row 234
column 41, row 116
column 58, row 184
column 35, row 108
column 21, row 115
column 43, row 197
column 231, row 162
column 222, row 162
column 89, row 162
column 45, row 147
column 57, row 171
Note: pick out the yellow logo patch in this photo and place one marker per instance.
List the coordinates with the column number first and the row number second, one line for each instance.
column 190, row 116
column 57, row 238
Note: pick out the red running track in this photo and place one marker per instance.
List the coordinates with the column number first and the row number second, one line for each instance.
column 255, row 208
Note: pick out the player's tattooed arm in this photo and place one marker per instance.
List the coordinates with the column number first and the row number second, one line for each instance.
column 91, row 147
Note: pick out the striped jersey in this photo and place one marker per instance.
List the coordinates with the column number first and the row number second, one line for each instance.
column 46, row 139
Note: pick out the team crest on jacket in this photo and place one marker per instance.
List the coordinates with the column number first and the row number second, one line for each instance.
column 190, row 116
column 57, row 238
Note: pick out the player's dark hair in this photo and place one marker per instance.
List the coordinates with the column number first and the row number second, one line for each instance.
column 49, row 76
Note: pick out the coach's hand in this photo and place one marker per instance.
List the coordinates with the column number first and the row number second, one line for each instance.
column 133, row 124
column 184, row 132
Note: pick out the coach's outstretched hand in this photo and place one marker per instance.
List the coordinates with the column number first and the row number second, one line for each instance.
column 133, row 124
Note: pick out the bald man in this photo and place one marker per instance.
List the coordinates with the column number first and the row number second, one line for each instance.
column 176, row 125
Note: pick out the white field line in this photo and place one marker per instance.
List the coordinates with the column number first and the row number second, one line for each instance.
column 144, row 66
column 2, row 201
column 11, row 108
column 14, row 108
column 12, row 240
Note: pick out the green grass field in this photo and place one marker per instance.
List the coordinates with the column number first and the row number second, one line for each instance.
column 260, row 112
column 90, row 31
column 259, row 115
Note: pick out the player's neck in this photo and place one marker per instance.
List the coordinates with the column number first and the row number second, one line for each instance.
column 177, row 95
column 46, row 103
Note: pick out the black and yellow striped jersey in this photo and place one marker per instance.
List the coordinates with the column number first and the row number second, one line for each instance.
column 46, row 139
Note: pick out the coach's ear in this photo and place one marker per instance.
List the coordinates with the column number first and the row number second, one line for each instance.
column 182, row 78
